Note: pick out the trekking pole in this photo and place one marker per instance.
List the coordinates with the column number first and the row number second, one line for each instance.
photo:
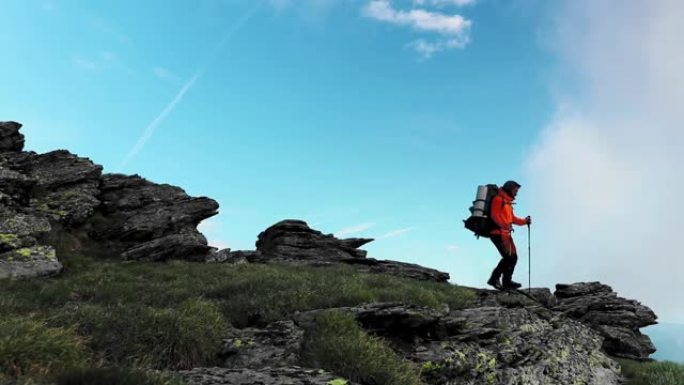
column 529, row 261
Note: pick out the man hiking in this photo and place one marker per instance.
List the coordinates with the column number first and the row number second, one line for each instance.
column 502, row 215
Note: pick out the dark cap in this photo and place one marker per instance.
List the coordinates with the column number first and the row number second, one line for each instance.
column 509, row 186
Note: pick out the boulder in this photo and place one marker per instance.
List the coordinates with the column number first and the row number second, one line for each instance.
column 22, row 254
column 234, row 257
column 63, row 186
column 390, row 320
column 29, row 262
column 399, row 269
column 140, row 219
column 190, row 246
column 617, row 319
column 276, row 345
column 293, row 241
column 542, row 296
column 487, row 345
column 24, row 225
column 264, row 376
column 15, row 187
column 10, row 138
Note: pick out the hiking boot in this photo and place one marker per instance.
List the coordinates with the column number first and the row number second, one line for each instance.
column 494, row 282
column 511, row 285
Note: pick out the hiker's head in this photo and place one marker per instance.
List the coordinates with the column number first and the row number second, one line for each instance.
column 511, row 188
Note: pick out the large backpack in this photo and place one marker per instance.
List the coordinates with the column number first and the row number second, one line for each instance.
column 480, row 221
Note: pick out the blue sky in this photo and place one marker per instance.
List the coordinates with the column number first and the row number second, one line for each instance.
column 378, row 118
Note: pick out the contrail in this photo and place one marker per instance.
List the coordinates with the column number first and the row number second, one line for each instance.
column 149, row 130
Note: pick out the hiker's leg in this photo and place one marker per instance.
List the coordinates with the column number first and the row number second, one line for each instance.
column 500, row 268
column 510, row 258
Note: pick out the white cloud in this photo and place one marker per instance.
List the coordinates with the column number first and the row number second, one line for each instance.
column 426, row 49
column 354, row 229
column 454, row 25
column 605, row 175
column 396, row 233
column 454, row 30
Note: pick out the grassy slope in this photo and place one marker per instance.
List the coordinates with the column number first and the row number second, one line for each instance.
column 101, row 320
column 652, row 373
column 101, row 314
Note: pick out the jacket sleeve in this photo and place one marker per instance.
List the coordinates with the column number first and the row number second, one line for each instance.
column 519, row 221
column 497, row 212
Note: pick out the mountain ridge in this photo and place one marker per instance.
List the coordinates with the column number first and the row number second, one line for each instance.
column 566, row 336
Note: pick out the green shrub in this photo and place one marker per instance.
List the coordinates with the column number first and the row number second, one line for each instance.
column 175, row 314
column 179, row 338
column 28, row 347
column 112, row 376
column 258, row 294
column 189, row 336
column 337, row 343
column 652, row 373
column 251, row 293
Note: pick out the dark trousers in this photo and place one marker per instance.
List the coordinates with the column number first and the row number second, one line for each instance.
column 509, row 257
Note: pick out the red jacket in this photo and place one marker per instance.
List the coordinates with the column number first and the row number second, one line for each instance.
column 502, row 214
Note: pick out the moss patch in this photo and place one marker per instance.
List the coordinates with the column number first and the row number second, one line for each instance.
column 9, row 239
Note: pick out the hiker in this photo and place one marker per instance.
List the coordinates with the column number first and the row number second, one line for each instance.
column 503, row 217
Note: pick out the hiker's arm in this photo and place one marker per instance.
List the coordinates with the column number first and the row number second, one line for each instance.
column 497, row 213
column 519, row 221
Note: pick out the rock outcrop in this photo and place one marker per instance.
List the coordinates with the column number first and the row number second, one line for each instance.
column 265, row 376
column 64, row 187
column 293, row 241
column 21, row 255
column 504, row 338
column 615, row 318
column 10, row 138
column 147, row 221
column 276, row 345
column 480, row 345
column 45, row 196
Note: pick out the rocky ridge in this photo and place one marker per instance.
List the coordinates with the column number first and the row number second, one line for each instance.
column 57, row 195
column 292, row 241
column 563, row 337
column 502, row 338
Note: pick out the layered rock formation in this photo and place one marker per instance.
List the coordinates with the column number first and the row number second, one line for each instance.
column 615, row 318
column 147, row 221
column 265, row 376
column 480, row 345
column 10, row 138
column 293, row 241
column 45, row 196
